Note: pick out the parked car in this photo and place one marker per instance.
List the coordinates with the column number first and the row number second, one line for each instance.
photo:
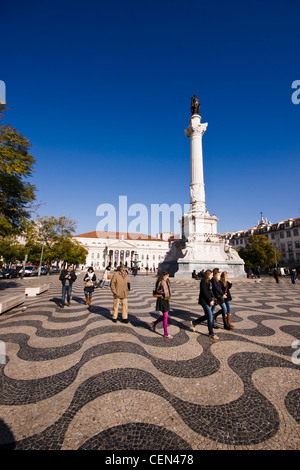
column 44, row 270
column 30, row 271
column 9, row 273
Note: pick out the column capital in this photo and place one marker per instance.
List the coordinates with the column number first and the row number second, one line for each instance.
column 195, row 127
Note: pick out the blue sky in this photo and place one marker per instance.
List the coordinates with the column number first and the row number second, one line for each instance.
column 103, row 90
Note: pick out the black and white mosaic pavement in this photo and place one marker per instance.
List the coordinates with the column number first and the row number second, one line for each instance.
column 73, row 379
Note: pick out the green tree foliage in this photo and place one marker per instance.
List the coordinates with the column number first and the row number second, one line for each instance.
column 70, row 251
column 54, row 235
column 259, row 252
column 16, row 193
column 11, row 250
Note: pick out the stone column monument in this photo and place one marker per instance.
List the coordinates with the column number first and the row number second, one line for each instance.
column 200, row 247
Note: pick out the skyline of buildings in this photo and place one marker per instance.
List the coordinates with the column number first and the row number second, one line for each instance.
column 127, row 248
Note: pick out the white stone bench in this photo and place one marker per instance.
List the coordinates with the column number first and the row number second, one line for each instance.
column 32, row 291
column 11, row 300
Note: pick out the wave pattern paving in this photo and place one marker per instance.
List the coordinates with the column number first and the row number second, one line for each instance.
column 72, row 379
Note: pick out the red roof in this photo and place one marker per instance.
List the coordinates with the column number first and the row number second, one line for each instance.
column 118, row 236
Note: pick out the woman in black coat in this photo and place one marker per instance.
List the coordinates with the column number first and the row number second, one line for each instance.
column 226, row 286
column 163, row 287
column 220, row 297
column 206, row 300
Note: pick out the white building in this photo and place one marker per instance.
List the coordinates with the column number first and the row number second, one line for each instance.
column 117, row 248
column 284, row 235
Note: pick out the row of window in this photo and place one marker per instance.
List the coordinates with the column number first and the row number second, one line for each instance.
column 241, row 241
column 290, row 245
column 287, row 232
column 104, row 243
column 291, row 256
column 147, row 257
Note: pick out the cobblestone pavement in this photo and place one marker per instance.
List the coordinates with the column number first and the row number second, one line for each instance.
column 73, row 379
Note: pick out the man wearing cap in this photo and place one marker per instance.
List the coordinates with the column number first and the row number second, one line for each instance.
column 120, row 288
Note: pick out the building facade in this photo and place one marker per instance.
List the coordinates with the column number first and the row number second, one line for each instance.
column 128, row 249
column 284, row 235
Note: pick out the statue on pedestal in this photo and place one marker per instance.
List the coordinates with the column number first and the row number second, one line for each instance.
column 195, row 106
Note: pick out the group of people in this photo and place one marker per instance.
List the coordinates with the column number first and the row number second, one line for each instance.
column 119, row 284
column 214, row 291
column 293, row 273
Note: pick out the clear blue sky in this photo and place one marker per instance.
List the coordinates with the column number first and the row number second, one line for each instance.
column 103, row 89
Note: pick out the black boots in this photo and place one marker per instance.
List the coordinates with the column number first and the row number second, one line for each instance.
column 225, row 321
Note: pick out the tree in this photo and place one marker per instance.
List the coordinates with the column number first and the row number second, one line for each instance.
column 54, row 237
column 11, row 250
column 259, row 252
column 16, row 193
column 71, row 251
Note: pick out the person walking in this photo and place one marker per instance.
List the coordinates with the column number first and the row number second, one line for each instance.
column 206, row 300
column 293, row 275
column 226, row 286
column 106, row 277
column 67, row 277
column 276, row 275
column 120, row 288
column 163, row 287
column 89, row 288
column 220, row 298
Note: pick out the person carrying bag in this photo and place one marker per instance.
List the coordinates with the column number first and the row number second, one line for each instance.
column 89, row 280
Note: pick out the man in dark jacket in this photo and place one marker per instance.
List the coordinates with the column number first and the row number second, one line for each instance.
column 67, row 277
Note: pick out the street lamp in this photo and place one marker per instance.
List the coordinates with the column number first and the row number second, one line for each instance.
column 275, row 254
column 41, row 258
column 42, row 232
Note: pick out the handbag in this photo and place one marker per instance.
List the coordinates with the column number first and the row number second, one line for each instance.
column 218, row 300
column 157, row 292
column 88, row 283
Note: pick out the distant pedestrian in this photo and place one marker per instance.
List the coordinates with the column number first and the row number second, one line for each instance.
column 106, row 277
column 293, row 275
column 89, row 286
column 206, row 300
column 220, row 298
column 120, row 288
column 162, row 303
column 276, row 275
column 67, row 277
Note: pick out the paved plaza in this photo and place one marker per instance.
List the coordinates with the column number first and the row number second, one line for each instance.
column 73, row 379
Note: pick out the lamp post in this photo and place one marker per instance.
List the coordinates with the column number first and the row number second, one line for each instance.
column 41, row 258
column 275, row 254
column 44, row 233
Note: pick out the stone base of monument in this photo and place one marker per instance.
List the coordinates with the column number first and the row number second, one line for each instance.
column 186, row 257
column 185, row 269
